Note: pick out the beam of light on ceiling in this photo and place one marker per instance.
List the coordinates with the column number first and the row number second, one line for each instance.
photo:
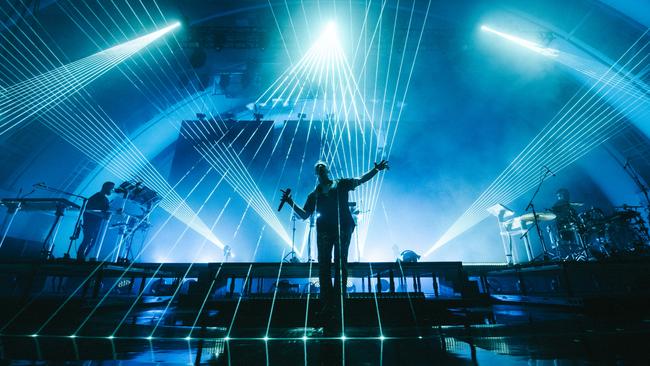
column 225, row 160
column 546, row 51
column 86, row 126
column 38, row 94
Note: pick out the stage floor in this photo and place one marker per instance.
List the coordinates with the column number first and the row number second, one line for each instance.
column 399, row 313
column 499, row 334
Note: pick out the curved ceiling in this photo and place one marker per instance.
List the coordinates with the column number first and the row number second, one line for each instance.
column 470, row 100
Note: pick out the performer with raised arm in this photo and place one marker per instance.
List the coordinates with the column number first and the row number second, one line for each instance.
column 334, row 227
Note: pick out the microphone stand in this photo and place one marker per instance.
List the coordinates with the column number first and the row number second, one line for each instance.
column 77, row 227
column 311, row 227
column 292, row 254
column 545, row 254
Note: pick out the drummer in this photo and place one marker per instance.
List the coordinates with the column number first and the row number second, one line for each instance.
column 567, row 217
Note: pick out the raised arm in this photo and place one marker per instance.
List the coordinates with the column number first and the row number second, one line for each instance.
column 372, row 172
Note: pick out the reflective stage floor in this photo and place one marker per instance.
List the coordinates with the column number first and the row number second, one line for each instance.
column 492, row 334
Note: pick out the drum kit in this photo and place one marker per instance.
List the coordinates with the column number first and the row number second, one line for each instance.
column 592, row 234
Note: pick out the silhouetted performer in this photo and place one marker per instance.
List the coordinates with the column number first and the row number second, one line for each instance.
column 567, row 217
column 96, row 206
column 334, row 227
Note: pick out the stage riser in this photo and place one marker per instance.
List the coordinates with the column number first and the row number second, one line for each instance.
column 571, row 283
column 92, row 280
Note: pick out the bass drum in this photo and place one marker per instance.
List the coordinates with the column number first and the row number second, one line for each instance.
column 621, row 234
column 593, row 221
column 594, row 232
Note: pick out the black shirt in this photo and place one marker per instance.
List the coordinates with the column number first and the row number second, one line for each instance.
column 332, row 206
column 96, row 202
column 566, row 214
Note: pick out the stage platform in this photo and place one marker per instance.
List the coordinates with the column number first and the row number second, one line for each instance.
column 114, row 307
column 551, row 283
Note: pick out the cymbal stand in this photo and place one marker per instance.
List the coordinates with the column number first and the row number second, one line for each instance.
column 545, row 255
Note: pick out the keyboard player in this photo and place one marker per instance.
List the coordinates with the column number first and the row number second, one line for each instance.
column 96, row 209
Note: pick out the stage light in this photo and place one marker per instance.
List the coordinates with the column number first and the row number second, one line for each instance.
column 546, row 51
column 72, row 336
column 266, row 339
column 226, row 338
column 329, row 36
column 188, row 338
column 110, row 337
column 34, row 335
column 382, row 338
column 343, row 338
column 304, row 338
column 409, row 256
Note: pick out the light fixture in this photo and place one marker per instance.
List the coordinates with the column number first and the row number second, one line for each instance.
column 546, row 51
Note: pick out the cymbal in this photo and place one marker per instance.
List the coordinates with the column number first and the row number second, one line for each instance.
column 624, row 215
column 541, row 216
column 625, row 207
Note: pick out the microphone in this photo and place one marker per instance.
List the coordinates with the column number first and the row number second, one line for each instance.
column 283, row 200
column 549, row 170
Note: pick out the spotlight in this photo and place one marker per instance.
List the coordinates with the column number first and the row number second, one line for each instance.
column 266, row 338
column 343, row 338
column 329, row 36
column 408, row 256
column 304, row 338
